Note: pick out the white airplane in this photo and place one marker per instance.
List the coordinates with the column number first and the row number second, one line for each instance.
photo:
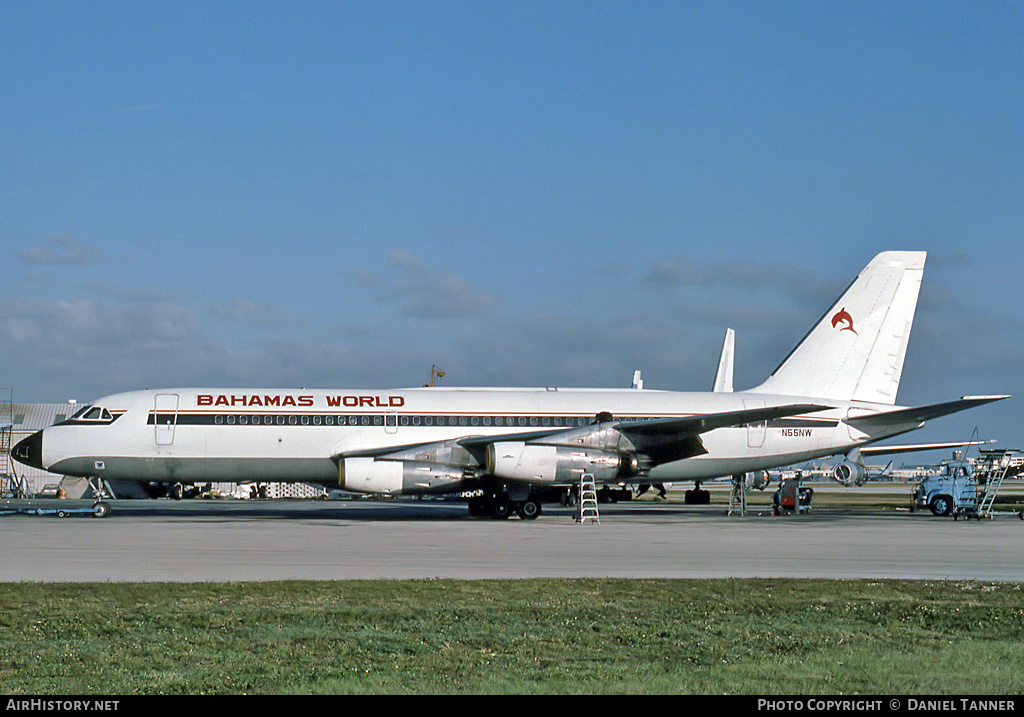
column 834, row 393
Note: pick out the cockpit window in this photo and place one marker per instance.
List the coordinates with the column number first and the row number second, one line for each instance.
column 80, row 412
column 97, row 414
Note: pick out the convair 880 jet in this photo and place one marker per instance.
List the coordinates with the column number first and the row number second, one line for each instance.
column 833, row 394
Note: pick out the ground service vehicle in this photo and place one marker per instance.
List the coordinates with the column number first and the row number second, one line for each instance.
column 955, row 489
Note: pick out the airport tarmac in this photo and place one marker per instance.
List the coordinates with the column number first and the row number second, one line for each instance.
column 198, row 540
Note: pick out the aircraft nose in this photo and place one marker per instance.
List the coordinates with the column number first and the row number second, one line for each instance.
column 30, row 450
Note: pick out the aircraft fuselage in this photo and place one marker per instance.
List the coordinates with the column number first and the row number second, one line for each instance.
column 219, row 435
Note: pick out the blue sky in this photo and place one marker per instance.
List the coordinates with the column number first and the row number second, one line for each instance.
column 523, row 193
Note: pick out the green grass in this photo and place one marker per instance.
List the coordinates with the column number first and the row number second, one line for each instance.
column 518, row 636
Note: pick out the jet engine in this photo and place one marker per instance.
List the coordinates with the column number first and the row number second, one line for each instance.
column 371, row 475
column 535, row 463
column 850, row 473
column 758, row 480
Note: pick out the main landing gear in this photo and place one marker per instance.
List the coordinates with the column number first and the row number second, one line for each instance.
column 500, row 505
column 697, row 496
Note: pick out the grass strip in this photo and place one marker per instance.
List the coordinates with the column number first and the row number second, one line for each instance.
column 513, row 637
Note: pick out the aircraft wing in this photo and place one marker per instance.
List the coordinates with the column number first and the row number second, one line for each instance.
column 672, row 439
column 663, row 439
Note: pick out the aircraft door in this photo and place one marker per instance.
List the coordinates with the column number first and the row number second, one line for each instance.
column 755, row 431
column 165, row 415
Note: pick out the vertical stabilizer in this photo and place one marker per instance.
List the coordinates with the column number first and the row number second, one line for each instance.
column 723, row 378
column 856, row 351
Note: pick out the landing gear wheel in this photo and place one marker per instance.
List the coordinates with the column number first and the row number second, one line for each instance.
column 501, row 508
column 477, row 507
column 101, row 510
column 528, row 510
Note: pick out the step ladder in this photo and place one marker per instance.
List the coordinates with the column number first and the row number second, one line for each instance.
column 6, row 464
column 8, row 480
column 738, row 495
column 588, row 500
column 993, row 483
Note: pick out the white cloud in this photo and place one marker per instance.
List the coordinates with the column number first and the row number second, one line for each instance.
column 62, row 249
column 245, row 311
column 426, row 293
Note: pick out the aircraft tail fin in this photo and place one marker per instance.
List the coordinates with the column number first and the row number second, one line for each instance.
column 856, row 350
column 723, row 378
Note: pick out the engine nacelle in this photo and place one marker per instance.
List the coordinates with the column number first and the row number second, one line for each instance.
column 535, row 463
column 758, row 480
column 372, row 475
column 850, row 474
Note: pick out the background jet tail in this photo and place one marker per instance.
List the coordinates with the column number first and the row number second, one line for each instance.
column 856, row 351
column 723, row 378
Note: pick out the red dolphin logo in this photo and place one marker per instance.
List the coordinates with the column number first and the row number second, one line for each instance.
column 843, row 316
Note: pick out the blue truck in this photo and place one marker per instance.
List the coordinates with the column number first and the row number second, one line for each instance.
column 953, row 490
column 970, row 488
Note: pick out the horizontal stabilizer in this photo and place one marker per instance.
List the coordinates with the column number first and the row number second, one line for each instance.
column 694, row 425
column 909, row 448
column 920, row 413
